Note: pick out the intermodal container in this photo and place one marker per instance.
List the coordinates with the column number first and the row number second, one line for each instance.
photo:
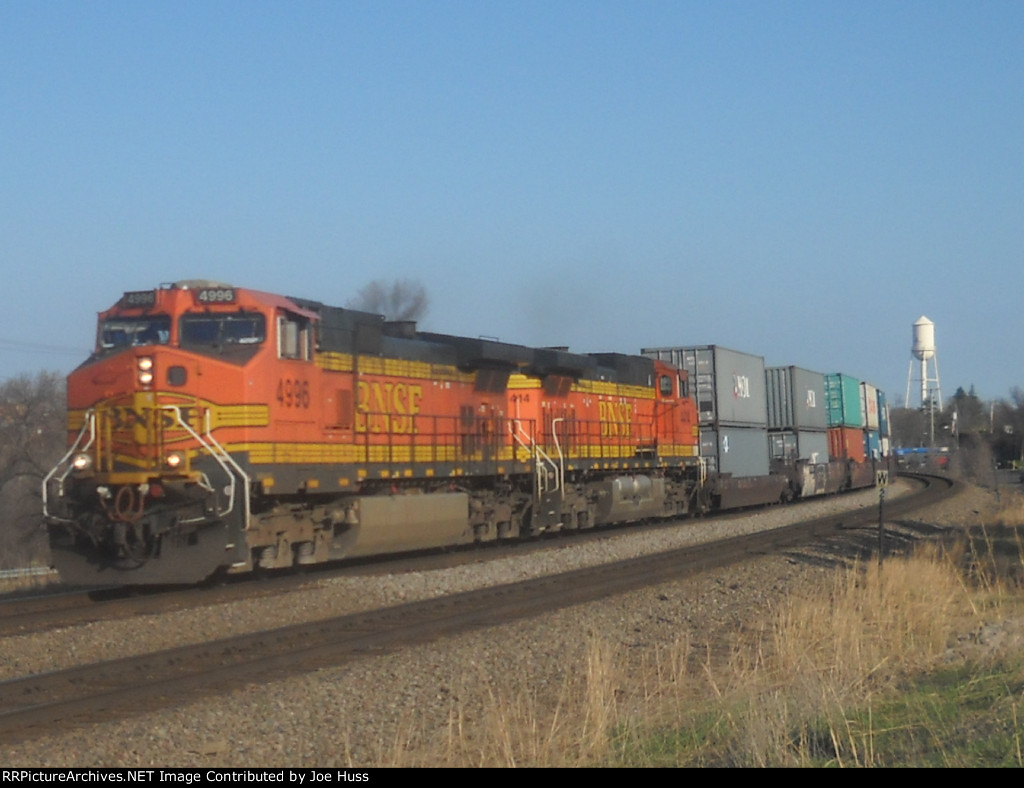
column 846, row 443
column 740, row 451
column 729, row 386
column 869, row 405
column 843, row 395
column 796, row 399
column 793, row 445
column 782, row 445
column 883, row 415
column 873, row 444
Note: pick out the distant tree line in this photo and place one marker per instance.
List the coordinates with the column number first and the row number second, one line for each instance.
column 979, row 435
column 33, row 430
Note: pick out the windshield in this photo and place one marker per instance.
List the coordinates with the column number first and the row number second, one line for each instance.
column 240, row 328
column 125, row 332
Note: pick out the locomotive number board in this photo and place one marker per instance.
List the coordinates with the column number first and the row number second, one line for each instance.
column 139, row 298
column 214, row 295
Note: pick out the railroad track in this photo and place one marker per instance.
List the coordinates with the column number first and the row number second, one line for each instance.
column 21, row 616
column 25, row 613
column 43, row 703
column 75, row 607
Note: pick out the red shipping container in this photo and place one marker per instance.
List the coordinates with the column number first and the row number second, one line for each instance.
column 846, row 443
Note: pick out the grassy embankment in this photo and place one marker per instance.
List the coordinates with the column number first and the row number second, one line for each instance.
column 917, row 662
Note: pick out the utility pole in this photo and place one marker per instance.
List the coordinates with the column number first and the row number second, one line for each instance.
column 882, row 480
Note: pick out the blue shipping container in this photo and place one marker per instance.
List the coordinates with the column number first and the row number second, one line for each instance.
column 883, row 415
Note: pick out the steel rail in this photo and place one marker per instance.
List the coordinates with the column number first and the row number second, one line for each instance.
column 38, row 704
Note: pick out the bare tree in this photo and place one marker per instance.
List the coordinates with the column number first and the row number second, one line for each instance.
column 33, row 433
column 402, row 299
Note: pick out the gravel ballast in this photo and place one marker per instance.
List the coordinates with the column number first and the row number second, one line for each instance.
column 355, row 714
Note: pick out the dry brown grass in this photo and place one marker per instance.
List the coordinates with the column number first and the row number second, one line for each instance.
column 784, row 695
column 520, row 726
column 1011, row 510
column 837, row 649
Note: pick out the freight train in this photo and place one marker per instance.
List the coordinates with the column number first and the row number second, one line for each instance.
column 217, row 429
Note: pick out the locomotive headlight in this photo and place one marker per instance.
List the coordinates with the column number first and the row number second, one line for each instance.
column 81, row 462
column 145, row 366
column 175, row 459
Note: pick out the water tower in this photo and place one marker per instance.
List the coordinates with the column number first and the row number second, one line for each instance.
column 924, row 351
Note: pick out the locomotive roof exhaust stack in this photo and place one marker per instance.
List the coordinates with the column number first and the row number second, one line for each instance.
column 924, row 352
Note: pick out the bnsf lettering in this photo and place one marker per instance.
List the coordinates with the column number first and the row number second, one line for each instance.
column 616, row 419
column 387, row 407
column 123, row 418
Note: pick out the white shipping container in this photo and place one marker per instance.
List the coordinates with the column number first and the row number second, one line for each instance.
column 869, row 405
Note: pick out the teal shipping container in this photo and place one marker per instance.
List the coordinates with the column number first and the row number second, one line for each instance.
column 842, row 394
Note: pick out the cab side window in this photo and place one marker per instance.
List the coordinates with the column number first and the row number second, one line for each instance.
column 294, row 337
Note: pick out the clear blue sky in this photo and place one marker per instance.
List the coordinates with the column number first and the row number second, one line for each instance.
column 799, row 180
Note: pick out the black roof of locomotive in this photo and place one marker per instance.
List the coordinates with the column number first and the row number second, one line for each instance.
column 354, row 331
column 623, row 368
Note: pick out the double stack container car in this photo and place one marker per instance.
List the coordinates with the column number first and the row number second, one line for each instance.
column 798, row 430
column 732, row 408
column 852, row 408
column 778, row 433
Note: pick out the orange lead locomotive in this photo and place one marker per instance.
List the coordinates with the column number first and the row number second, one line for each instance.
column 217, row 429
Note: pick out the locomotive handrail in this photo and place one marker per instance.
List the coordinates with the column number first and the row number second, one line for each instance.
column 90, row 424
column 515, row 426
column 558, row 447
column 219, row 454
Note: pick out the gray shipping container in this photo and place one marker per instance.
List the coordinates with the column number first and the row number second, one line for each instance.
column 741, row 451
column 796, row 399
column 799, row 445
column 729, row 386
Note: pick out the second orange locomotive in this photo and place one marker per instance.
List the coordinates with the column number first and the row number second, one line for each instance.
column 222, row 429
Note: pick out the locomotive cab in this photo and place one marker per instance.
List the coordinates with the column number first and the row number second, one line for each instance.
column 144, row 478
